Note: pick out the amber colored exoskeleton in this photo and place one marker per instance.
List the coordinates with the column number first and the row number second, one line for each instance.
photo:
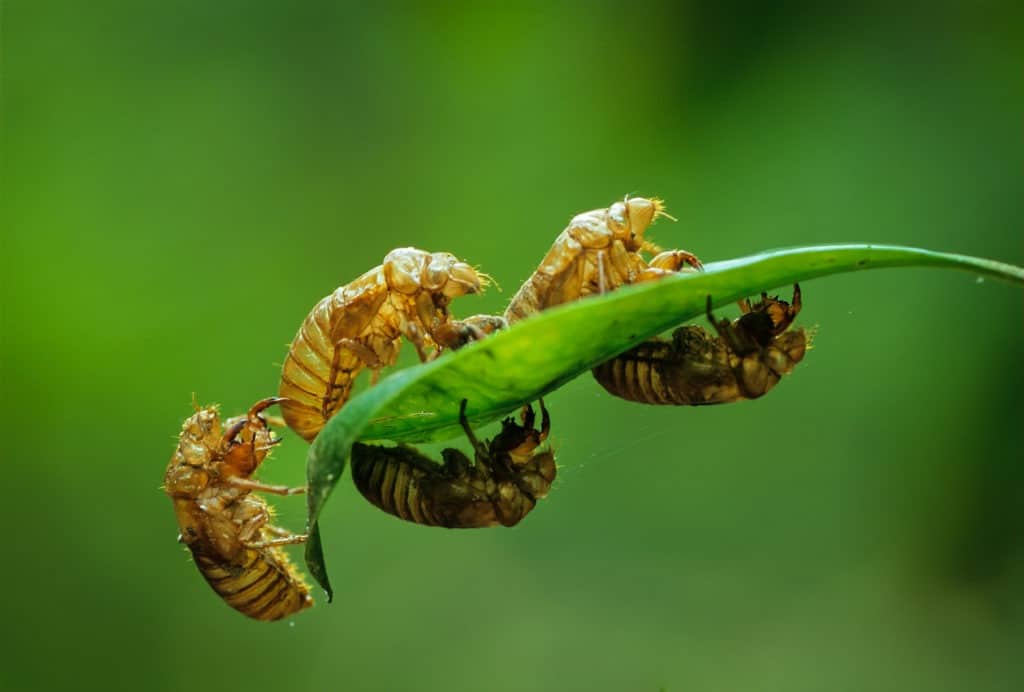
column 360, row 325
column 501, row 488
column 599, row 251
column 225, row 526
column 746, row 360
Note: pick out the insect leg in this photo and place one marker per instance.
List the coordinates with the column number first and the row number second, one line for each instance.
column 291, row 539
column 478, row 447
column 455, row 334
column 338, row 390
column 250, row 484
column 602, row 280
column 359, row 350
column 724, row 328
column 232, row 432
column 675, row 260
column 545, row 421
column 264, row 404
column 527, row 417
column 791, row 311
column 413, row 333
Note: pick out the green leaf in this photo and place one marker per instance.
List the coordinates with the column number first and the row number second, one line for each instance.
column 540, row 354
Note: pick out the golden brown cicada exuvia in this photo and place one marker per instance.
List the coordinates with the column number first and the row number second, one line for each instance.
column 360, row 325
column 598, row 252
column 501, row 488
column 745, row 361
column 226, row 527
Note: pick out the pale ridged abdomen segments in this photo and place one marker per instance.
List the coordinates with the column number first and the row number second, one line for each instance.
column 263, row 585
column 306, row 372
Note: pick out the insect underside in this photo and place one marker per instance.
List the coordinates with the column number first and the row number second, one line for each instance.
column 362, row 325
column 225, row 526
column 501, row 488
column 745, row 361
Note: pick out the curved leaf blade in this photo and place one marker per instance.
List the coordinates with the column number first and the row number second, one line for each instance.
column 540, row 354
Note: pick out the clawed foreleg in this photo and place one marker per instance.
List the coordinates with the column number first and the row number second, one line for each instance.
column 250, row 484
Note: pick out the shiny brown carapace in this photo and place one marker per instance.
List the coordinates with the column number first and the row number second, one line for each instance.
column 501, row 488
column 361, row 325
column 745, row 361
column 599, row 251
column 227, row 527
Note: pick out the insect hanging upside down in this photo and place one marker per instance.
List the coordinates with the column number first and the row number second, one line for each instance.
column 501, row 488
column 209, row 479
column 598, row 252
column 745, row 361
column 360, row 325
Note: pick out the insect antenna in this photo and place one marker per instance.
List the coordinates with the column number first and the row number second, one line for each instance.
column 659, row 210
column 487, row 280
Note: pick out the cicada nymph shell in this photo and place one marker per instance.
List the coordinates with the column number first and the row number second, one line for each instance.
column 227, row 527
column 745, row 361
column 599, row 251
column 361, row 325
column 500, row 488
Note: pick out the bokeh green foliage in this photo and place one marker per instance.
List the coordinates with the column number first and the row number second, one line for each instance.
column 182, row 181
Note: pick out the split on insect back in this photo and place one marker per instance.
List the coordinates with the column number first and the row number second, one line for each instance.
column 599, row 251
column 361, row 326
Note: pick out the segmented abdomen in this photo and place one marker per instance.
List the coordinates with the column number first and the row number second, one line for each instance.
column 306, row 372
column 694, row 369
column 697, row 369
column 637, row 375
column 394, row 482
column 263, row 585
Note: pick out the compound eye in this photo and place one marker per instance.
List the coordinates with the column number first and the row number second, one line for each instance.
column 617, row 217
column 437, row 272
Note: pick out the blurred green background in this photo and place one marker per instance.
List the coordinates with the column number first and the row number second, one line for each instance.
column 182, row 181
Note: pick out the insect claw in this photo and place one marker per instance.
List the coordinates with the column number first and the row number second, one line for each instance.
column 499, row 489
column 264, row 404
column 527, row 417
column 746, row 360
column 209, row 481
column 233, row 431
